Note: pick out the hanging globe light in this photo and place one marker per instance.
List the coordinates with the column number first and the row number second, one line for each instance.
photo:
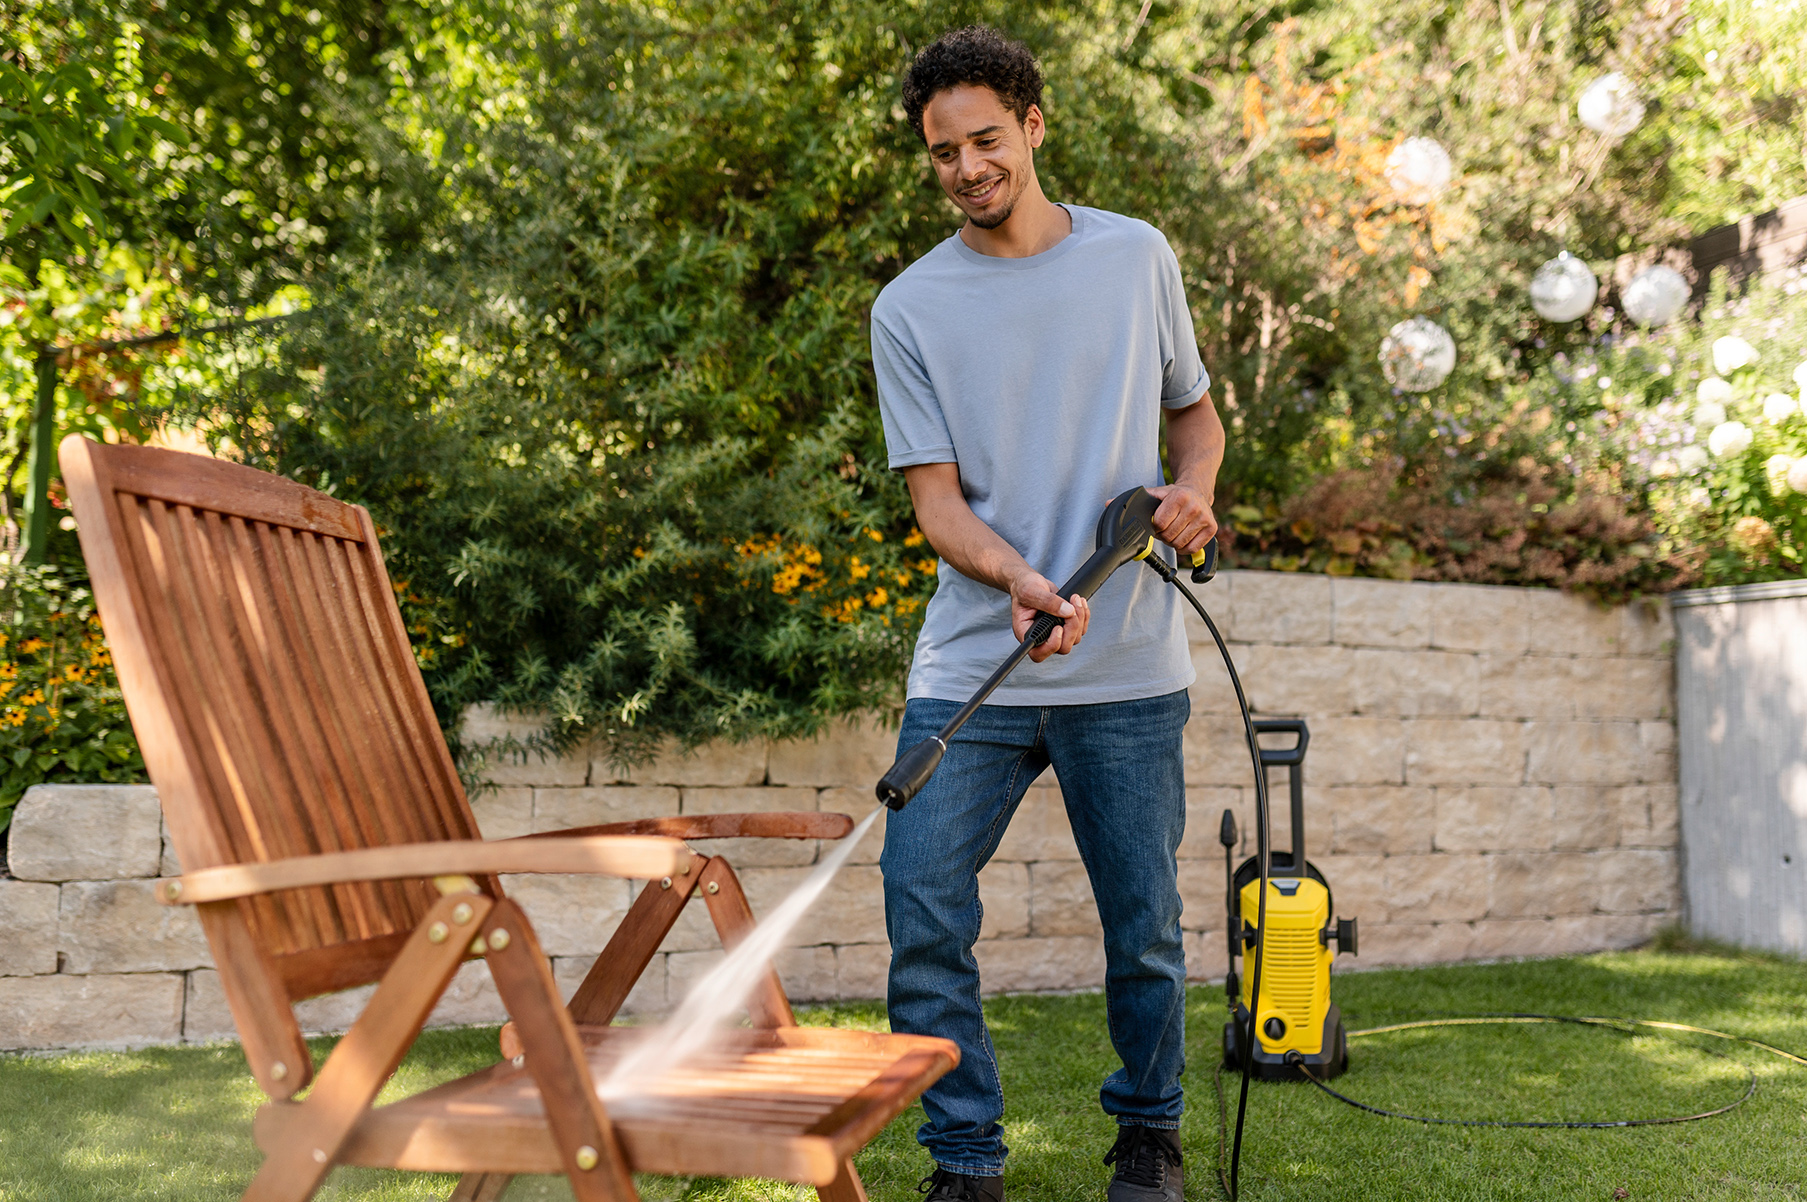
column 1563, row 289
column 1655, row 295
column 1418, row 170
column 1417, row 355
column 1610, row 106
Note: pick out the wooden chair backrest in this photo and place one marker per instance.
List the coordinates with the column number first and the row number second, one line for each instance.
column 273, row 690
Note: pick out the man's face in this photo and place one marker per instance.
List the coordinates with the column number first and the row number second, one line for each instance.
column 981, row 152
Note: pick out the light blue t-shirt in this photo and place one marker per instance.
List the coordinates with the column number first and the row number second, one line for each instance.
column 1043, row 379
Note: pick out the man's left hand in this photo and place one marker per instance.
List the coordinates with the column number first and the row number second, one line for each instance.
column 1184, row 521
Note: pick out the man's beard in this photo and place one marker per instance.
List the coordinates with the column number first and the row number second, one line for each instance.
column 992, row 221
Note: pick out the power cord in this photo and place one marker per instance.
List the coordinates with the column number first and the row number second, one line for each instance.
column 1171, row 576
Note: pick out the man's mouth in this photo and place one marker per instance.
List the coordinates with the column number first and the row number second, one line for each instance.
column 982, row 192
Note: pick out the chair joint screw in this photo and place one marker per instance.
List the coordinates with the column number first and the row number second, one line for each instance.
column 278, row 1071
column 498, row 938
column 586, row 1158
column 461, row 913
column 714, row 886
column 665, row 882
column 437, row 933
column 172, row 890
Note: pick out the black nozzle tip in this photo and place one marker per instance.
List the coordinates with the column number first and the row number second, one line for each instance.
column 910, row 773
column 1226, row 829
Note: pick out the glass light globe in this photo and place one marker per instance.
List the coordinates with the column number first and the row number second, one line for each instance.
column 1655, row 295
column 1419, row 170
column 1417, row 354
column 1563, row 289
column 1610, row 106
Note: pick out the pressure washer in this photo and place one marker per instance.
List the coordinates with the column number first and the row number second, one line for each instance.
column 1287, row 987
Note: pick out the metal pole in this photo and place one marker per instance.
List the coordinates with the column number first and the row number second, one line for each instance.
column 43, row 438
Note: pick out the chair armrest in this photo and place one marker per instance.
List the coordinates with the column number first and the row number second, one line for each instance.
column 615, row 855
column 775, row 824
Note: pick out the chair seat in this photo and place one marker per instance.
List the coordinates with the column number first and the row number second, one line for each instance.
column 790, row 1104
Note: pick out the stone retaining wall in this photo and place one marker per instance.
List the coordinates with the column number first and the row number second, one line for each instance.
column 1491, row 773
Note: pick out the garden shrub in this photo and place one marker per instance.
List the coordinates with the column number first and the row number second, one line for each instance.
column 61, row 714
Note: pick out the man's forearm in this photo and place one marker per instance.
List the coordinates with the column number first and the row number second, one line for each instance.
column 1195, row 446
column 974, row 549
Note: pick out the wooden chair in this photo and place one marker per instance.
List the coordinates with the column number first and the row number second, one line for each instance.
column 328, row 844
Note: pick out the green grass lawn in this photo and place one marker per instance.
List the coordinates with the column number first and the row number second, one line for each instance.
column 175, row 1122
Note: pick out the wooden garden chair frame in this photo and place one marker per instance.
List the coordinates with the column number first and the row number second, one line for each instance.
column 328, row 844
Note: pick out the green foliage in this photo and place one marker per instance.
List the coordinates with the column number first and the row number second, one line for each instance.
column 61, row 714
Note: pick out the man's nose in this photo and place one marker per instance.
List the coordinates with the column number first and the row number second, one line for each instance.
column 972, row 164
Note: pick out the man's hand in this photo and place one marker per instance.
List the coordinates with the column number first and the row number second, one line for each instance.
column 1032, row 593
column 1184, row 521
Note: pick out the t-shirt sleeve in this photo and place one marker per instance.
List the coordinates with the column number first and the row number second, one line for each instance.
column 1183, row 376
column 915, row 428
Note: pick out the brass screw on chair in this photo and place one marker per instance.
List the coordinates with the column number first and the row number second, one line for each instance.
column 586, row 1157
column 498, row 938
column 173, row 890
column 278, row 1071
column 665, row 882
column 437, row 933
column 715, row 886
column 461, row 913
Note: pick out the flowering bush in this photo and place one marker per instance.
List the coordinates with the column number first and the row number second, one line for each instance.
column 1707, row 420
column 61, row 713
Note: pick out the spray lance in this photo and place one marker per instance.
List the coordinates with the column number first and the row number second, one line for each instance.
column 1125, row 534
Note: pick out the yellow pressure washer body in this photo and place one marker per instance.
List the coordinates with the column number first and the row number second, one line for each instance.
column 1298, row 1025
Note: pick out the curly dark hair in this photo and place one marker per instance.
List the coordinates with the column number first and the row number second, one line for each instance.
column 976, row 55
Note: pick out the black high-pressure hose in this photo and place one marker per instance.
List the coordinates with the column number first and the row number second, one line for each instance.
column 1261, row 857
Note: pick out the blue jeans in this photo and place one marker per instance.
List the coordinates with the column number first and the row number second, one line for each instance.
column 1121, row 772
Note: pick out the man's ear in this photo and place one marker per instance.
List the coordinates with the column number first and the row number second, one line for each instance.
column 1035, row 126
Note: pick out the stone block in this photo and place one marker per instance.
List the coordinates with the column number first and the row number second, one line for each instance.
column 470, row 1000
column 1392, row 819
column 1380, row 613
column 64, row 1010
column 503, row 813
column 485, row 723
column 850, row 910
column 571, row 915
column 1201, row 895
column 1357, row 751
column 334, row 1013
column 1495, row 818
column 1529, row 686
column 1637, row 881
column 856, row 804
column 1004, row 900
column 1411, row 684
column 1216, row 751
column 118, row 926
column 684, row 969
column 170, row 864
column 1649, row 816
column 1624, row 688
column 1647, row 628
column 1277, row 607
column 862, row 970
column 1205, row 957
column 754, row 853
column 29, row 910
column 719, row 763
column 1656, row 753
column 1587, row 817
column 85, row 833
column 694, row 930
column 1033, row 965
column 1436, row 888
column 1569, row 624
column 205, row 1016
column 849, row 753
column 808, row 974
column 1282, row 679
column 1541, row 884
column 1358, row 887
column 1509, row 938
column 1211, row 691
column 1060, row 900
column 1478, row 617
column 1039, row 830
column 1409, row 943
column 646, row 998
column 1464, row 751
column 1204, row 813
column 1218, row 601
column 1584, row 753
column 561, row 809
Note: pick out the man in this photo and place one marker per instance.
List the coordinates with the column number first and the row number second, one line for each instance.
column 1024, row 367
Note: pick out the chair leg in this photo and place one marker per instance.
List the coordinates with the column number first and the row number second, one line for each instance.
column 594, row 1161
column 632, row 947
column 480, row 1187
column 767, row 1007
column 368, row 1055
column 846, row 1188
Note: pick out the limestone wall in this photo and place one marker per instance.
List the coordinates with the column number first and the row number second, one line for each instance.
column 1491, row 773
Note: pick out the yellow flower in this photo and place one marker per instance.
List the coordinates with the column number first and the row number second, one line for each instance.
column 9, row 670
column 926, row 566
column 877, row 597
column 72, row 673
column 914, row 538
column 2, row 638
column 31, row 645
column 100, row 657
column 902, row 578
column 35, row 697
column 875, row 536
column 858, row 570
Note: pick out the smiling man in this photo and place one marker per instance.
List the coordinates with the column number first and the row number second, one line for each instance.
column 1025, row 369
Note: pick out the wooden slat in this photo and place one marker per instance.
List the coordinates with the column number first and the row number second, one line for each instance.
column 772, row 824
column 634, row 856
column 317, row 970
column 204, row 483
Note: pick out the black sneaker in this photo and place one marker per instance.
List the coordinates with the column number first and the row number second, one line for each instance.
column 1148, row 1166
column 945, row 1185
